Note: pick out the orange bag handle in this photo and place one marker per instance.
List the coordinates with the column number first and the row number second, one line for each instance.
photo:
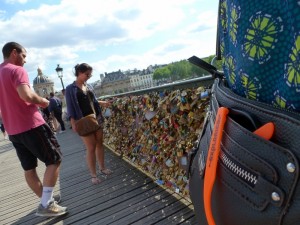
column 266, row 131
column 212, row 162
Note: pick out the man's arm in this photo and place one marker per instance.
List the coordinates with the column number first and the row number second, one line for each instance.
column 28, row 95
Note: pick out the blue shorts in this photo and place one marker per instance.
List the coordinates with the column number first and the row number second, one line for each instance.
column 37, row 143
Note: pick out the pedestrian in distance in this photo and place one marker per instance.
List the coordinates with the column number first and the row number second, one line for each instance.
column 48, row 117
column 80, row 98
column 55, row 108
column 29, row 133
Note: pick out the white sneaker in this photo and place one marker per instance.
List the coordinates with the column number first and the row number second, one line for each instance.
column 53, row 209
column 61, row 131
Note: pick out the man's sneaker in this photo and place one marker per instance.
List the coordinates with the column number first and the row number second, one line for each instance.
column 57, row 198
column 53, row 209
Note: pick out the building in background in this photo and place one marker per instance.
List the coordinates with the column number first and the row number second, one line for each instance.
column 140, row 79
column 113, row 83
column 42, row 85
column 124, row 81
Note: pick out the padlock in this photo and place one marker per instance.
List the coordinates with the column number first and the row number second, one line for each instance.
column 159, row 138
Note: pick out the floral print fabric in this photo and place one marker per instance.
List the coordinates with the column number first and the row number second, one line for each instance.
column 260, row 45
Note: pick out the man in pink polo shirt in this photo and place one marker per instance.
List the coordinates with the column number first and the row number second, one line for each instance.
column 27, row 130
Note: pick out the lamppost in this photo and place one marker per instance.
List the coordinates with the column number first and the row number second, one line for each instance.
column 59, row 72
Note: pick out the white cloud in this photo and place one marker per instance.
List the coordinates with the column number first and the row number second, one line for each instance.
column 110, row 35
column 16, row 1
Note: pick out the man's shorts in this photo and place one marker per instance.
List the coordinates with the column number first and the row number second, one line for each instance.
column 37, row 143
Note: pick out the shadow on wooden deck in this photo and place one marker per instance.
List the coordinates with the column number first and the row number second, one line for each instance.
column 128, row 196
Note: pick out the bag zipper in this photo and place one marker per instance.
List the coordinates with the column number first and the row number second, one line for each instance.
column 240, row 171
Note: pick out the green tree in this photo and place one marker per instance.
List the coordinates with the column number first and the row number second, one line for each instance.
column 162, row 73
column 184, row 69
column 180, row 70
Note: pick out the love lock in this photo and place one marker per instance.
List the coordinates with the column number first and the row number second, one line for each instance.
column 156, row 130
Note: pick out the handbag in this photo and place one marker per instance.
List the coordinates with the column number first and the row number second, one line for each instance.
column 88, row 124
column 244, row 167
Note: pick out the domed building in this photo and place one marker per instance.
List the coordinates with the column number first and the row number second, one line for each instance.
column 42, row 85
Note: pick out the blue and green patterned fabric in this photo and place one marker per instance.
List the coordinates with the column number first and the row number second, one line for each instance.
column 260, row 46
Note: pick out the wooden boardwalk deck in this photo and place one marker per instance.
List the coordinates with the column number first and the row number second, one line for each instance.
column 128, row 196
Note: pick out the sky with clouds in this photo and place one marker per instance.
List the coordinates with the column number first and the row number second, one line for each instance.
column 109, row 35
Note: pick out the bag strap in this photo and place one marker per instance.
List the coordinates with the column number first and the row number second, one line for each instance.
column 91, row 102
column 206, row 66
column 212, row 162
column 218, row 41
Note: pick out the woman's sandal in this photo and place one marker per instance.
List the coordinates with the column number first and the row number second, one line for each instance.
column 106, row 172
column 96, row 180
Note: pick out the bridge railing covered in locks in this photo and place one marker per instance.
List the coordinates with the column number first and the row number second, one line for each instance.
column 156, row 128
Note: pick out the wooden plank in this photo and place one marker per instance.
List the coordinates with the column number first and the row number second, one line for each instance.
column 146, row 210
column 114, row 205
column 86, row 202
column 159, row 215
column 119, row 213
column 84, row 191
column 182, row 216
column 128, row 196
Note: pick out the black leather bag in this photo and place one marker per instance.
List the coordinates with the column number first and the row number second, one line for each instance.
column 257, row 180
